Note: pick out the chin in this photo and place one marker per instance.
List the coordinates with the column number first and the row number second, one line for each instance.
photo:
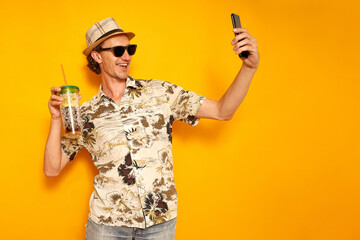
column 125, row 76
column 122, row 76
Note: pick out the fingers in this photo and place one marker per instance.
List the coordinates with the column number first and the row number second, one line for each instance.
column 238, row 30
column 54, row 103
column 55, row 100
column 240, row 37
column 55, row 90
column 242, row 49
column 244, row 45
column 243, row 41
column 241, row 33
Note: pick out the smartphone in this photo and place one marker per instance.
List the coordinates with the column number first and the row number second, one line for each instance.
column 237, row 24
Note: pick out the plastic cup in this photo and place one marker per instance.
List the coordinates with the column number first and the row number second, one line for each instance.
column 70, row 111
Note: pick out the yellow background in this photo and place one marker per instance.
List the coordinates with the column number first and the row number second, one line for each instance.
column 285, row 167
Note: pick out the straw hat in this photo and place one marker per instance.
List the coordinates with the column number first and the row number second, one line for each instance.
column 101, row 31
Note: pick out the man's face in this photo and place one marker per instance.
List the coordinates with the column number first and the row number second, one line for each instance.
column 111, row 66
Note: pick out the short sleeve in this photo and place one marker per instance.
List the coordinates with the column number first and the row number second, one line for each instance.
column 184, row 104
column 70, row 147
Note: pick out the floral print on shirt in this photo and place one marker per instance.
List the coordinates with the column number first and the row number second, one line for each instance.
column 131, row 146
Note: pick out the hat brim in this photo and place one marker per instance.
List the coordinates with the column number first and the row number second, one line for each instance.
column 88, row 50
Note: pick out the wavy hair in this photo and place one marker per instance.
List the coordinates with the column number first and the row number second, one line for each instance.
column 92, row 64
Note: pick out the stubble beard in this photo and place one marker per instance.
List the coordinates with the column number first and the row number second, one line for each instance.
column 123, row 76
column 116, row 75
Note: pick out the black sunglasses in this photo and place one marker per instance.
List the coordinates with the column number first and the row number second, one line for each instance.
column 120, row 50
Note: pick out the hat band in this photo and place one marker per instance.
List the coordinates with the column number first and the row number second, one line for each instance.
column 109, row 33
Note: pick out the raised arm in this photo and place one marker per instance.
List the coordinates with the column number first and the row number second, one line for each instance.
column 54, row 159
column 225, row 108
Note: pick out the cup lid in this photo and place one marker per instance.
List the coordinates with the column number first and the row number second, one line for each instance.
column 69, row 87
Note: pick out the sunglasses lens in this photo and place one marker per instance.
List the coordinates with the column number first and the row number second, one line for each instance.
column 132, row 49
column 119, row 51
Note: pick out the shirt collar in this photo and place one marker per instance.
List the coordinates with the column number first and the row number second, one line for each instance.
column 130, row 83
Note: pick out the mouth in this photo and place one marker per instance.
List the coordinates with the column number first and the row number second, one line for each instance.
column 123, row 66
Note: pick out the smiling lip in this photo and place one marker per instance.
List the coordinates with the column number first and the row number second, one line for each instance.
column 123, row 66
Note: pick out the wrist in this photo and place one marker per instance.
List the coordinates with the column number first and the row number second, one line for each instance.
column 56, row 119
column 248, row 69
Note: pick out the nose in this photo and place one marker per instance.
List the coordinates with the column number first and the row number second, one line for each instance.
column 126, row 56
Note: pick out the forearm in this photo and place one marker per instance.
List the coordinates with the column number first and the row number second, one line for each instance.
column 225, row 108
column 233, row 97
column 52, row 156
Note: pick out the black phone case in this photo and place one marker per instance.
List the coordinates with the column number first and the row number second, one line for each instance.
column 237, row 24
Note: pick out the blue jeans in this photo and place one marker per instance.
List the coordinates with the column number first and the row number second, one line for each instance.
column 162, row 231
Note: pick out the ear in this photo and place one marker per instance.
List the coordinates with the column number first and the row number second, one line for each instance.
column 96, row 56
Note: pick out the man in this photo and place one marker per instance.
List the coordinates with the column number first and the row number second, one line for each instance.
column 127, row 129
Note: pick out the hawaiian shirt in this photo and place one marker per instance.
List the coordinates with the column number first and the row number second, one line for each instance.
column 131, row 146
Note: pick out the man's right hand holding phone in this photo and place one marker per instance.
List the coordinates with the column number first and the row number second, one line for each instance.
column 245, row 42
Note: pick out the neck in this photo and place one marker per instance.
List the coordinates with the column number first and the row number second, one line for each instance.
column 113, row 88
